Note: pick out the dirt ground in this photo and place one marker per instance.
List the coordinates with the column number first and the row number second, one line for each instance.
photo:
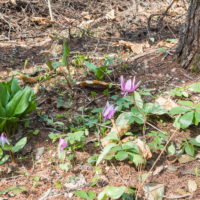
column 28, row 38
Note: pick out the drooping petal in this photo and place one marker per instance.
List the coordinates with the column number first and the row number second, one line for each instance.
column 122, row 83
column 108, row 111
column 129, row 86
column 62, row 144
column 4, row 140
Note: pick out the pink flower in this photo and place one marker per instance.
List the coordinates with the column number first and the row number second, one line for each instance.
column 108, row 111
column 3, row 140
column 128, row 86
column 62, row 144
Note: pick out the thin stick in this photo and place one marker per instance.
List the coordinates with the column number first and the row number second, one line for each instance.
column 50, row 9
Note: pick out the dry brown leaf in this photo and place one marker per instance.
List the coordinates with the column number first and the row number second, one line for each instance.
column 110, row 15
column 36, row 88
column 27, row 79
column 166, row 102
column 135, row 47
column 92, row 84
column 166, row 44
column 41, row 20
column 144, row 148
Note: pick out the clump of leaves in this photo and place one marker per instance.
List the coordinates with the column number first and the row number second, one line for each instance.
column 15, row 104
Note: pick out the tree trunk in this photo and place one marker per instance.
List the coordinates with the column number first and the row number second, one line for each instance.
column 188, row 47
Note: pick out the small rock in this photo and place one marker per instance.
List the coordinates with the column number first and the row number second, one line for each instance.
column 192, row 186
column 172, row 168
column 38, row 152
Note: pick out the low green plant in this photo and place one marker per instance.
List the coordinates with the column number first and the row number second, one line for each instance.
column 15, row 104
column 186, row 114
column 90, row 195
column 101, row 71
column 158, row 139
column 124, row 193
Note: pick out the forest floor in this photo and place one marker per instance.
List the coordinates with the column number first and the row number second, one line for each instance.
column 94, row 30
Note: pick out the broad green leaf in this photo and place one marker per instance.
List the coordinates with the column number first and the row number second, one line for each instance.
column 179, row 110
column 121, row 155
column 195, row 87
column 154, row 109
column 24, row 101
column 91, row 195
column 91, row 66
column 189, row 149
column 112, row 192
column 4, row 159
column 4, row 94
column 14, row 87
column 138, row 100
column 186, row 103
column 11, row 106
column 123, row 119
column 130, row 146
column 171, row 149
column 1, row 152
column 197, row 117
column 66, row 54
column 105, row 151
column 186, row 119
column 82, row 194
column 19, row 145
column 136, row 159
column 115, row 192
column 111, row 136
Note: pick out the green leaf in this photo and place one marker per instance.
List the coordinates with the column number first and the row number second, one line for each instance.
column 111, row 136
column 14, row 87
column 189, row 149
column 64, row 166
column 186, row 119
column 1, row 153
column 138, row 100
column 91, row 195
column 195, row 87
column 123, row 119
column 154, row 109
column 66, row 53
column 179, row 110
column 121, row 155
column 4, row 97
column 19, row 145
column 136, row 159
column 105, row 151
column 197, row 117
column 11, row 106
column 171, row 149
column 82, row 194
column 115, row 192
column 186, row 103
column 24, row 101
column 4, row 159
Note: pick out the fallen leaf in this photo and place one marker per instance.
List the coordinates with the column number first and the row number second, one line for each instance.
column 93, row 84
column 158, row 170
column 144, row 148
column 154, row 191
column 192, row 186
column 111, row 14
column 27, row 79
column 135, row 47
column 166, row 102
column 185, row 158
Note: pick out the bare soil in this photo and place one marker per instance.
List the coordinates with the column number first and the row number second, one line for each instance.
column 28, row 35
